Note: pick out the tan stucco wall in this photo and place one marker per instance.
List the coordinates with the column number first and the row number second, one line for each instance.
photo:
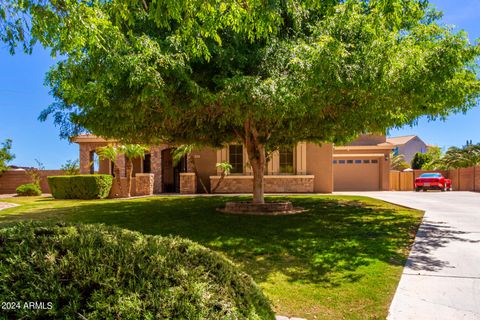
column 383, row 163
column 319, row 164
column 137, row 166
column 205, row 160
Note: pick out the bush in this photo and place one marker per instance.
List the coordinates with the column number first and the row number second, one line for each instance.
column 30, row 189
column 89, row 186
column 102, row 272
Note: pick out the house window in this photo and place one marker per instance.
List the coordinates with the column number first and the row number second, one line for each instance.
column 366, row 161
column 374, row 161
column 235, row 157
column 146, row 163
column 349, row 161
column 286, row 160
column 358, row 161
column 341, row 161
column 334, row 161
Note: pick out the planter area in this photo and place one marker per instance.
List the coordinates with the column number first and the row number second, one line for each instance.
column 268, row 208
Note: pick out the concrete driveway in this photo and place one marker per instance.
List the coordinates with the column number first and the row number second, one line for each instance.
column 441, row 279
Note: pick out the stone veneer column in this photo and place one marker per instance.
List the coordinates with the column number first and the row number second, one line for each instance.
column 188, row 183
column 156, row 166
column 121, row 164
column 144, row 184
column 85, row 149
column 84, row 158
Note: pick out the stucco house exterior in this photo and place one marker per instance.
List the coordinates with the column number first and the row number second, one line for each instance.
column 408, row 146
column 305, row 168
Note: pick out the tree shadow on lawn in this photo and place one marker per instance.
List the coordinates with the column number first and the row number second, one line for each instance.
column 324, row 245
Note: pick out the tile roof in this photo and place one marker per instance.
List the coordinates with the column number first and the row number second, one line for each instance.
column 400, row 140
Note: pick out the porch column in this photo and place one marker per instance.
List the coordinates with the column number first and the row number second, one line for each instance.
column 84, row 158
column 156, row 166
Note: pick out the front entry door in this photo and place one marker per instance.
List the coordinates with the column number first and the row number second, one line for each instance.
column 171, row 173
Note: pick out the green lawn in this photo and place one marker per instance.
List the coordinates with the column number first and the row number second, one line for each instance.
column 340, row 260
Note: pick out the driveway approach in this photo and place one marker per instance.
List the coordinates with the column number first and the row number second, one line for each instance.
column 441, row 279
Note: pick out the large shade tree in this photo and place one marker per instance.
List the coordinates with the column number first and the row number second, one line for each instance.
column 263, row 73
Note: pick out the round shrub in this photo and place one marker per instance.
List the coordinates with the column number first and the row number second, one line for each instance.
column 87, row 186
column 99, row 272
column 30, row 189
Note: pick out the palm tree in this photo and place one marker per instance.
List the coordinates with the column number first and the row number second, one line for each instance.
column 468, row 156
column 131, row 152
column 397, row 162
column 226, row 167
column 454, row 158
column 111, row 153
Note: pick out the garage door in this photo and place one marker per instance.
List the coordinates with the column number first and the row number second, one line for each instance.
column 356, row 174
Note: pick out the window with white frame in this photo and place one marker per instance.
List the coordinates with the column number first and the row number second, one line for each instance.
column 286, row 163
column 235, row 157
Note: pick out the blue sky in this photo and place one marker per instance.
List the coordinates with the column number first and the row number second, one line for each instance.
column 23, row 96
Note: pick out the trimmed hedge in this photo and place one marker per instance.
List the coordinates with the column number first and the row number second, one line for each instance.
column 88, row 186
column 102, row 272
column 29, row 189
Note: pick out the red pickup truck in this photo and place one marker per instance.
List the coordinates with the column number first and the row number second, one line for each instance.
column 432, row 181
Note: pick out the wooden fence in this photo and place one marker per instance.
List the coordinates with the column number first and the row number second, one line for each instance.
column 465, row 179
column 11, row 179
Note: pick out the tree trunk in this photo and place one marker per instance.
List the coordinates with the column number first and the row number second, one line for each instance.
column 222, row 176
column 257, row 158
column 258, row 181
column 118, row 181
column 129, row 169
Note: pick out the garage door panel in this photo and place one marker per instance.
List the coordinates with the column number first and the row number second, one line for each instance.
column 356, row 176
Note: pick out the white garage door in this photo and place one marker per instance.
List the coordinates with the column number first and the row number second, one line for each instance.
column 356, row 174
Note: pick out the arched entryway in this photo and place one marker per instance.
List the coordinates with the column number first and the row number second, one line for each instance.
column 171, row 173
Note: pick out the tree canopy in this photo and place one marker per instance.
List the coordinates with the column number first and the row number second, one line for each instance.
column 265, row 73
column 454, row 158
column 5, row 155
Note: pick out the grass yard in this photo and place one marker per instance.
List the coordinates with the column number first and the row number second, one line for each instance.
column 340, row 260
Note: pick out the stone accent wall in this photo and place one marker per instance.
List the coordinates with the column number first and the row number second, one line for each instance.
column 85, row 149
column 273, row 184
column 156, row 166
column 144, row 184
column 11, row 179
column 120, row 191
column 188, row 183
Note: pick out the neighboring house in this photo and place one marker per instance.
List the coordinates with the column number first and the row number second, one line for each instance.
column 408, row 146
column 305, row 168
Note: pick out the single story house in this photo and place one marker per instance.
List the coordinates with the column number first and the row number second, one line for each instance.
column 306, row 168
column 408, row 146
